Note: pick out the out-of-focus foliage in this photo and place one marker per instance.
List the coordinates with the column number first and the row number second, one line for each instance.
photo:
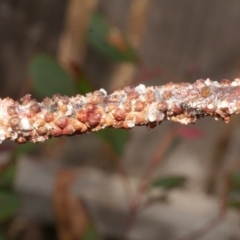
column 109, row 41
column 90, row 233
column 7, row 176
column 23, row 149
column 1, row 235
column 169, row 182
column 234, row 190
column 116, row 138
column 49, row 77
column 9, row 204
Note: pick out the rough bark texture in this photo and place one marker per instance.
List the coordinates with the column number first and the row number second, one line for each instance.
column 132, row 106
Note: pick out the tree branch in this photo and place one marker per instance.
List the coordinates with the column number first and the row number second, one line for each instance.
column 132, row 106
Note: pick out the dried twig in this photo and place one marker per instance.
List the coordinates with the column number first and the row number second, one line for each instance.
column 143, row 186
column 72, row 40
column 135, row 30
column 208, row 227
column 132, row 106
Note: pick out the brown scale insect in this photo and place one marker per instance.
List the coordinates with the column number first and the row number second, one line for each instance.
column 225, row 82
column 132, row 95
column 63, row 108
column 119, row 114
column 139, row 106
column 76, row 124
column 89, row 107
column 48, row 117
column 111, row 106
column 167, row 95
column 128, row 89
column 150, row 96
column 177, row 109
column 98, row 97
column 162, row 106
column 81, row 116
column 42, row 131
column 26, row 99
column 35, row 108
column 62, row 122
column 56, row 96
column 21, row 140
column 68, row 130
column 139, row 118
column 93, row 119
column 56, row 131
column 14, row 122
column 54, row 107
column 39, row 122
column 114, row 98
column 205, row 91
column 11, row 110
column 65, row 99
column 47, row 102
column 127, row 106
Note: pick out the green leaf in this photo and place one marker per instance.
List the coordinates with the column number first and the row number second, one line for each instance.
column 169, row 182
column 9, row 204
column 7, row 176
column 83, row 85
column 90, row 233
column 99, row 37
column 49, row 77
column 234, row 204
column 22, row 149
column 235, row 180
column 116, row 138
column 2, row 235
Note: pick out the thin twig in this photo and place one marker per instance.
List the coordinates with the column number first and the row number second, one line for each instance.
column 72, row 40
column 127, row 108
column 135, row 30
column 144, row 183
column 208, row 227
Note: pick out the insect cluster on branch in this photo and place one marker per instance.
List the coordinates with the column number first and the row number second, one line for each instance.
column 126, row 108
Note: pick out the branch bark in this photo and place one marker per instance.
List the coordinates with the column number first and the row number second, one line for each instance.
column 126, row 108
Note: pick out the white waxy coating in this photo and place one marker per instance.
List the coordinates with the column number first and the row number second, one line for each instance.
column 223, row 104
column 25, row 125
column 141, row 89
column 69, row 110
column 2, row 135
column 103, row 91
column 152, row 113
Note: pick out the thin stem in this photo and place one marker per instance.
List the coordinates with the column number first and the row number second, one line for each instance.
column 144, row 183
column 208, row 227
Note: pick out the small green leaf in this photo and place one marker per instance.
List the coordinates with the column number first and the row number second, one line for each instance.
column 117, row 49
column 116, row 138
column 234, row 204
column 49, row 77
column 2, row 235
column 22, row 149
column 169, row 182
column 83, row 85
column 9, row 204
column 90, row 233
column 235, row 180
column 7, row 176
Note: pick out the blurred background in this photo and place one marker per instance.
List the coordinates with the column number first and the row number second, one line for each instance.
column 170, row 182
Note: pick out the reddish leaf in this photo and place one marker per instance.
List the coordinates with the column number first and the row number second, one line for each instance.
column 190, row 133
